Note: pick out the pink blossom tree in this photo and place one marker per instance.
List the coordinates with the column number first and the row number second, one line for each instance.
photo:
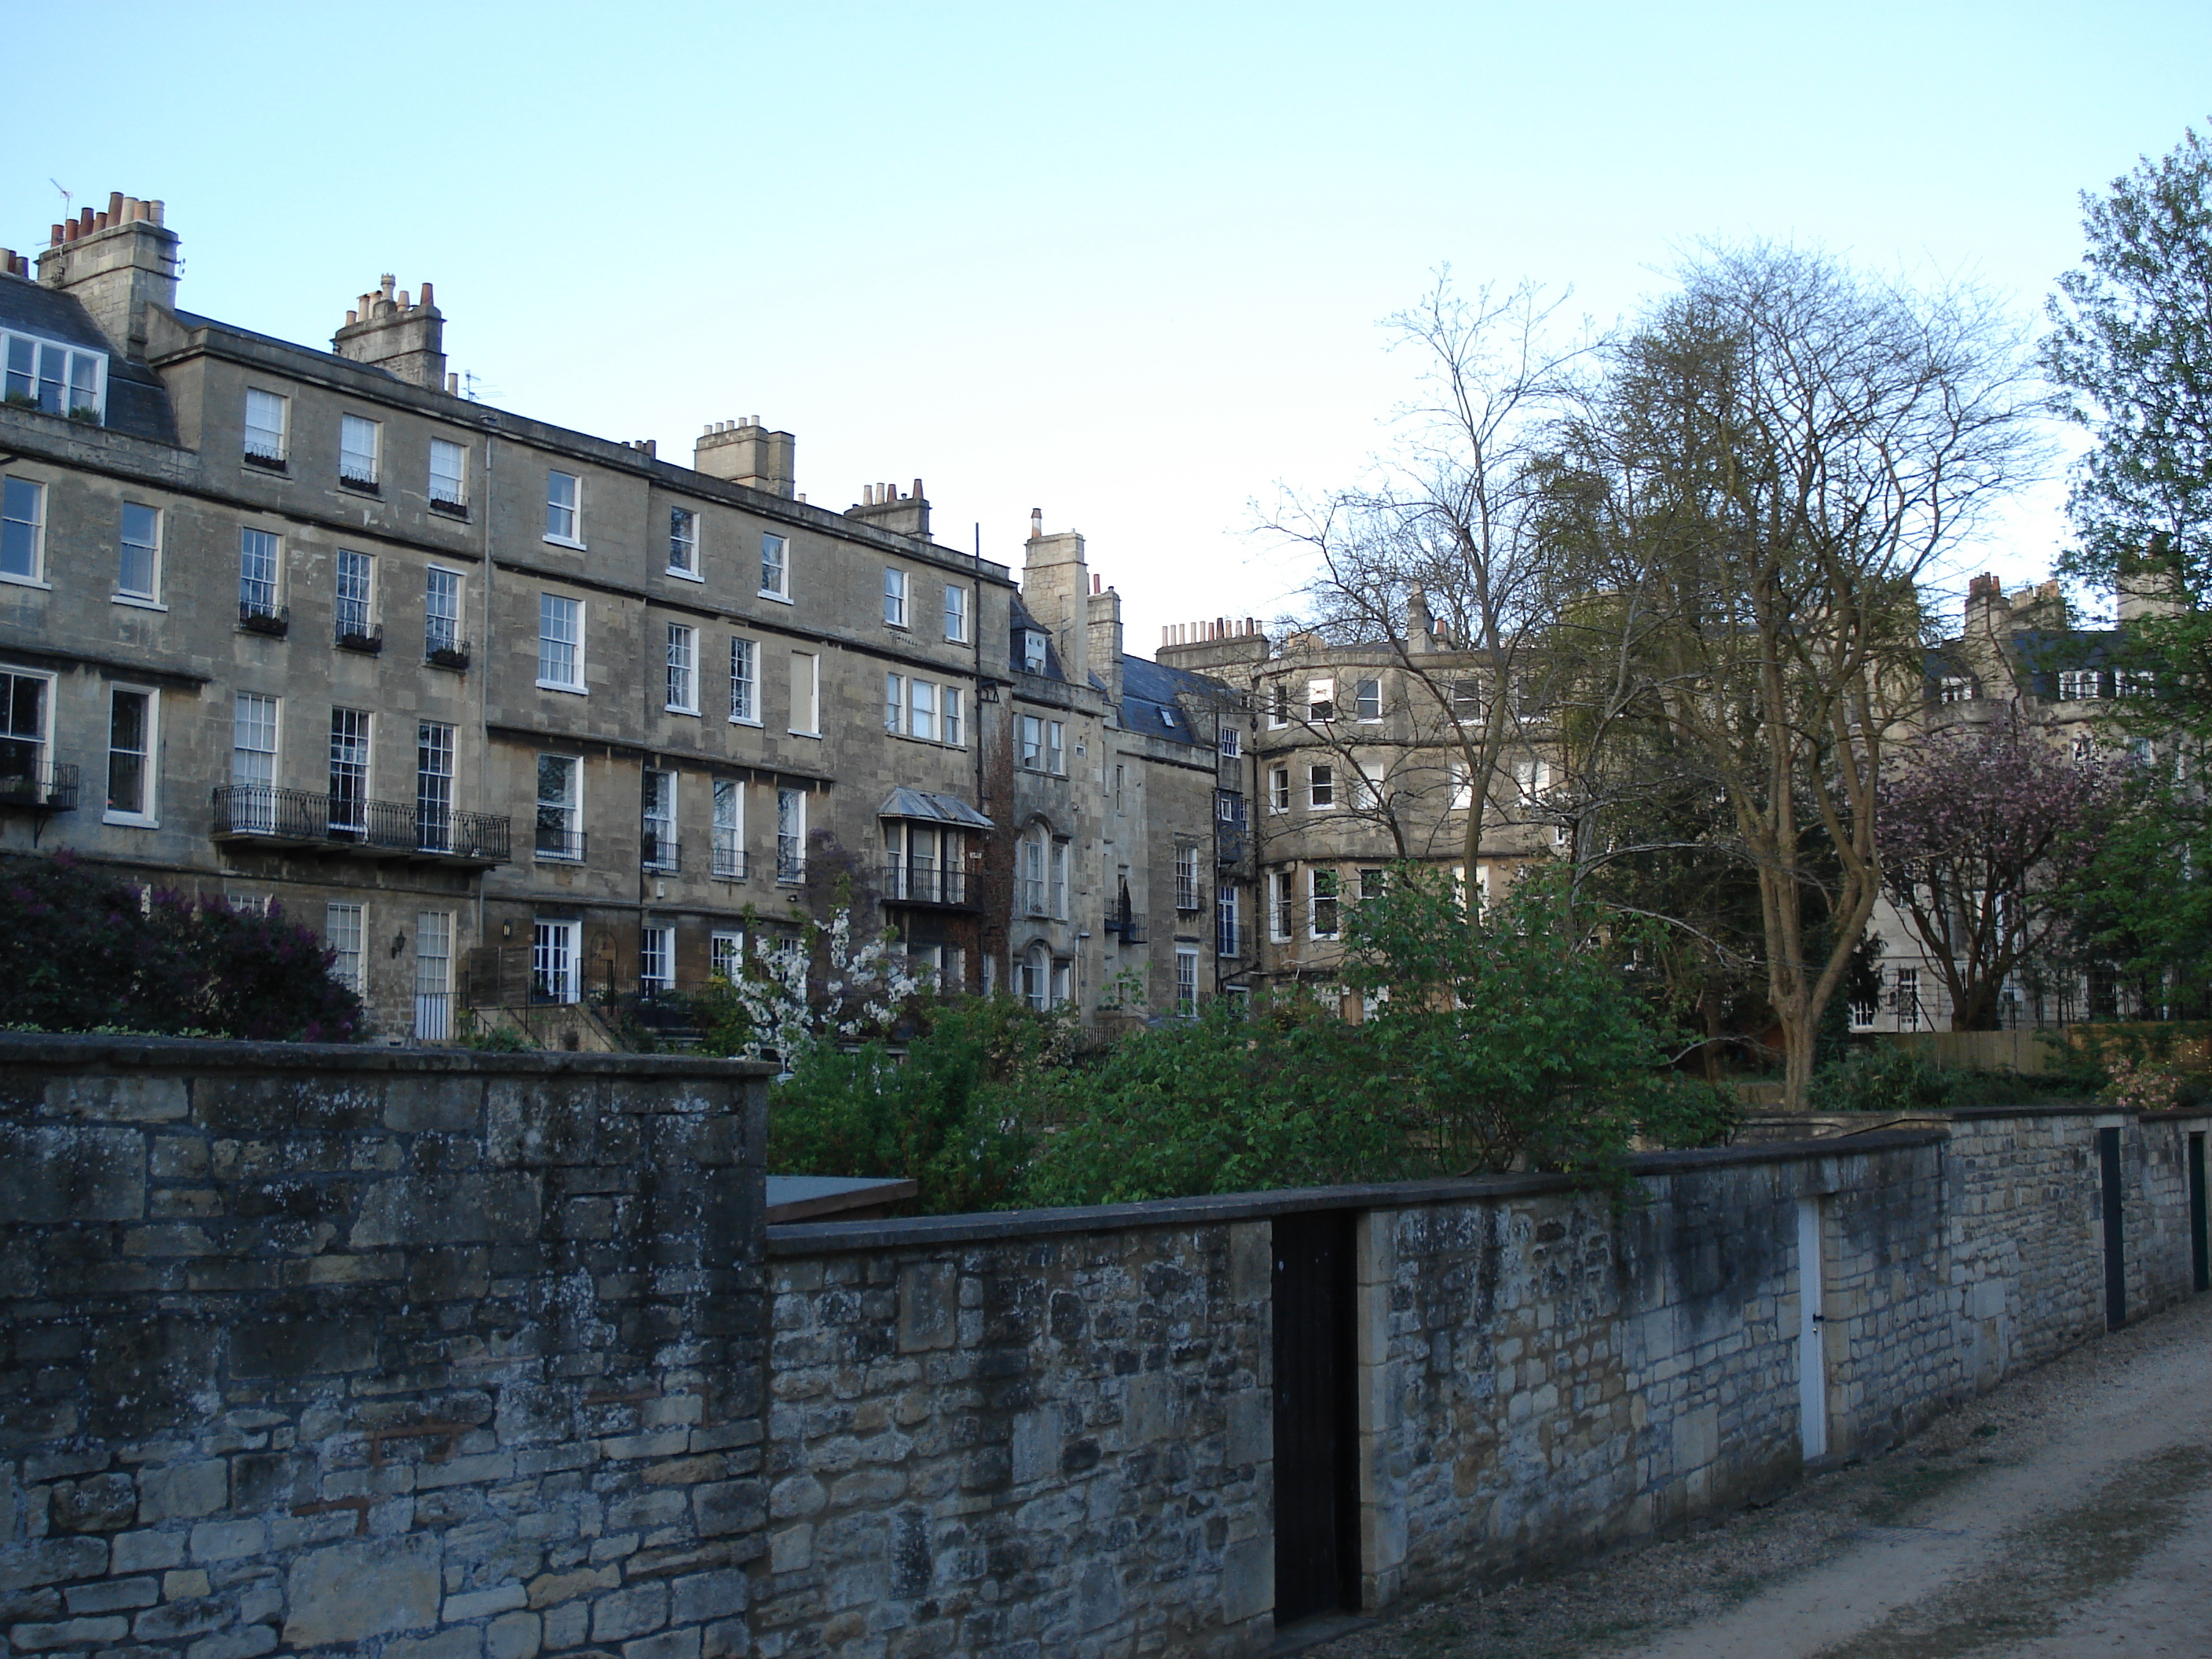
column 1981, row 828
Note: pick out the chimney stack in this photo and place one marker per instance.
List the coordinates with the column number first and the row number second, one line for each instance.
column 116, row 264
column 1056, row 587
column 390, row 331
column 744, row 452
column 882, row 506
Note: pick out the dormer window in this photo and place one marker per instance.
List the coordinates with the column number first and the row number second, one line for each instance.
column 61, row 380
column 1032, row 651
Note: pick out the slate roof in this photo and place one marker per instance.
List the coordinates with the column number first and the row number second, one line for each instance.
column 920, row 804
column 1148, row 690
column 137, row 403
column 1020, row 619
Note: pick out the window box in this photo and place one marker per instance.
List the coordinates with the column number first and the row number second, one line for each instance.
column 455, row 656
column 39, row 787
column 266, row 462
column 275, row 623
column 355, row 481
column 370, row 644
column 451, row 509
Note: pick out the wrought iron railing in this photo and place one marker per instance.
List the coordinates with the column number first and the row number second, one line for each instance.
column 661, row 851
column 386, row 826
column 37, row 786
column 907, row 881
column 558, row 843
column 264, row 617
column 730, row 863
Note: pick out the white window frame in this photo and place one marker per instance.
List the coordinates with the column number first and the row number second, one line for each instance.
column 1320, row 700
column 1055, row 748
column 246, row 709
column 775, row 567
column 790, row 835
column 1229, row 920
column 683, row 543
column 282, row 405
column 148, row 596
column 250, row 551
column 660, row 847
column 682, row 661
column 726, row 861
column 893, row 703
column 1281, row 901
column 550, row 642
column 1033, row 659
column 345, row 931
column 353, row 593
column 810, row 686
column 24, row 360
column 656, row 957
column 1278, row 789
column 921, row 709
column 42, row 740
column 744, row 681
column 1279, row 706
column 1362, row 699
column 1185, row 875
column 951, row 716
column 459, row 499
column 1056, row 863
column 431, row 615
column 352, row 757
column 956, row 613
column 2079, row 685
column 1186, row 979
column 1321, row 788
column 148, row 817
column 351, row 430
column 436, row 747
column 726, row 953
column 896, row 583
column 1230, row 742
column 1316, row 899
column 569, row 804
column 564, row 508
column 433, row 975
column 554, row 946
column 14, row 491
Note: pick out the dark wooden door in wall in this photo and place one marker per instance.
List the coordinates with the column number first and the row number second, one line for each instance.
column 2200, row 1224
column 1316, row 1452
column 2116, row 1262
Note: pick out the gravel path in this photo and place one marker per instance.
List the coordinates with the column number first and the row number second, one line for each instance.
column 2067, row 1514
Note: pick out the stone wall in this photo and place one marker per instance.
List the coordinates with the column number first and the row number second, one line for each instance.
column 427, row 1354
column 1043, row 1443
column 1051, row 1433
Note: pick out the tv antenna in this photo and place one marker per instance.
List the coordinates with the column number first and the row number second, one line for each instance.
column 67, row 199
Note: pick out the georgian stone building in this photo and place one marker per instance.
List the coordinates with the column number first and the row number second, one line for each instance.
column 1355, row 762
column 513, row 714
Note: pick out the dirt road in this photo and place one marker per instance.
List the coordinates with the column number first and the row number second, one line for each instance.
column 2069, row 1514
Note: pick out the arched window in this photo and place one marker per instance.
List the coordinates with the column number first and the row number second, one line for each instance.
column 1036, row 978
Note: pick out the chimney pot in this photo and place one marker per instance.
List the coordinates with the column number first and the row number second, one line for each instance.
column 426, row 294
column 115, row 204
column 386, row 284
column 351, row 318
column 86, row 220
column 55, row 240
column 453, row 385
column 101, row 222
column 156, row 205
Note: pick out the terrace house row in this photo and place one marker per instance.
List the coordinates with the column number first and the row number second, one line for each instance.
column 513, row 714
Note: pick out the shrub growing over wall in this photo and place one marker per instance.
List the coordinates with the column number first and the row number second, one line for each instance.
column 82, row 952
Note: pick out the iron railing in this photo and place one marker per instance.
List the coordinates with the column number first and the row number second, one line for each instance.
column 259, row 616
column 303, row 817
column 730, row 863
column 368, row 638
column 910, row 882
column 661, row 852
column 37, row 786
column 557, row 843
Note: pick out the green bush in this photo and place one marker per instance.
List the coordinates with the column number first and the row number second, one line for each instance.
column 952, row 1116
column 1885, row 1077
column 1284, row 1096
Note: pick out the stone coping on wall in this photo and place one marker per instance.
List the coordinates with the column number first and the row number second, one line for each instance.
column 802, row 1238
column 1965, row 1115
column 93, row 1052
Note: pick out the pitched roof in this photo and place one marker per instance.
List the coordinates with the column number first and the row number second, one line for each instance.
column 137, row 403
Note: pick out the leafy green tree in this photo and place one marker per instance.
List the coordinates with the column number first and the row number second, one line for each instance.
column 1512, row 1035
column 2132, row 344
column 2139, row 914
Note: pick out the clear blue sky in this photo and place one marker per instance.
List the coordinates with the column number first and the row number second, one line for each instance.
column 1124, row 262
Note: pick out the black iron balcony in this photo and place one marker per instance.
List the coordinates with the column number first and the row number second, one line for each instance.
column 444, row 651
column 267, row 460
column 302, row 818
column 661, row 852
column 353, row 478
column 450, row 509
column 257, row 617
column 366, row 638
column 906, row 882
column 555, row 841
column 31, row 786
column 730, row 863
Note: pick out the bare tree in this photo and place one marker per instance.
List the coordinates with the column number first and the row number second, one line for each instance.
column 1775, row 458
column 1435, row 565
